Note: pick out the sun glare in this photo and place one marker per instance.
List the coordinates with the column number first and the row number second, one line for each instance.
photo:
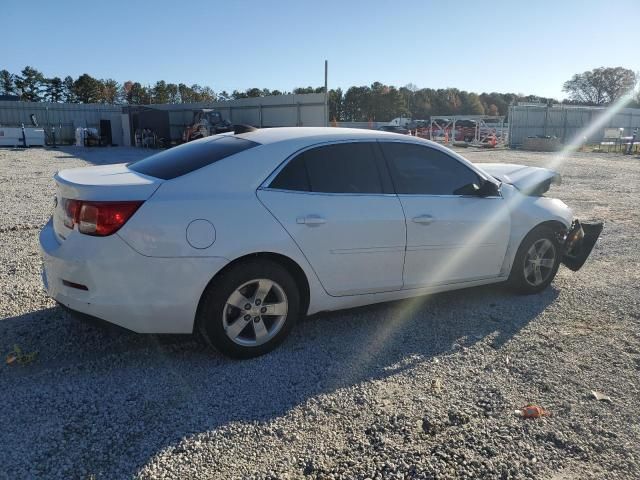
column 483, row 232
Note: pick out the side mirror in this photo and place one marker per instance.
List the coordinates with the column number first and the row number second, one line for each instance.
column 486, row 189
column 468, row 189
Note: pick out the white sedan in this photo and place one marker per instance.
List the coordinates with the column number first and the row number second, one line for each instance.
column 236, row 236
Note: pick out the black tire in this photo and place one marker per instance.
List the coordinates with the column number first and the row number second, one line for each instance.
column 521, row 279
column 211, row 313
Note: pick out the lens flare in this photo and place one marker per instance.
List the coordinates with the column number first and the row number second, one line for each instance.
column 480, row 235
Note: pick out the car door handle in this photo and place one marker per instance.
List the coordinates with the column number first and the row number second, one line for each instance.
column 423, row 219
column 311, row 220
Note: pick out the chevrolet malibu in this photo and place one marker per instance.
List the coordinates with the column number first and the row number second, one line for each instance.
column 236, row 236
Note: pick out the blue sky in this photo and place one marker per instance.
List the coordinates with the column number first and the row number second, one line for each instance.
column 522, row 47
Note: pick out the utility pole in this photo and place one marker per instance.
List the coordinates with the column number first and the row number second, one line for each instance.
column 326, row 94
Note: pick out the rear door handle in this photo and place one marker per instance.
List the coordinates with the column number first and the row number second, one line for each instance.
column 311, row 220
column 423, row 219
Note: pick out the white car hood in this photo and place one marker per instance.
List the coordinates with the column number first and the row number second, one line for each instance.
column 526, row 179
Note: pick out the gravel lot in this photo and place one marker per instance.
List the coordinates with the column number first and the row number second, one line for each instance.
column 416, row 389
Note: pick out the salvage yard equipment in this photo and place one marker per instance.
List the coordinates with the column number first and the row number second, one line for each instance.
column 206, row 122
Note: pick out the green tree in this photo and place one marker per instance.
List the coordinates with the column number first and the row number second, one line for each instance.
column 138, row 94
column 422, row 108
column 173, row 93
column 500, row 101
column 7, row 83
column 600, row 86
column 301, row 90
column 471, row 104
column 188, row 94
column 356, row 104
column 335, row 104
column 253, row 92
column 68, row 93
column 29, row 84
column 87, row 89
column 224, row 96
column 54, row 90
column 236, row 94
column 160, row 93
column 206, row 94
column 110, row 91
column 385, row 103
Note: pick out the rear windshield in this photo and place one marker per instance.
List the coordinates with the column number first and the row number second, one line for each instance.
column 186, row 158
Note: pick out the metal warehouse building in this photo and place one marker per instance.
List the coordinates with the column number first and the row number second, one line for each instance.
column 275, row 111
column 565, row 122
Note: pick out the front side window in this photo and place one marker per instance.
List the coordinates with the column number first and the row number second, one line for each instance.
column 422, row 170
column 339, row 168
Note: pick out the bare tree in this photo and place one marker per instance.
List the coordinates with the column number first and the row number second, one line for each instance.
column 600, row 86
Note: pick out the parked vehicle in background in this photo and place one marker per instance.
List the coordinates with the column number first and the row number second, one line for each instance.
column 400, row 121
column 394, row 129
column 236, row 236
column 206, row 122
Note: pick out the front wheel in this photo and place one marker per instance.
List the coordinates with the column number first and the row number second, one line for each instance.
column 250, row 309
column 536, row 262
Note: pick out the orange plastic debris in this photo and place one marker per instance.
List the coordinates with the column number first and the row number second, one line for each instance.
column 533, row 411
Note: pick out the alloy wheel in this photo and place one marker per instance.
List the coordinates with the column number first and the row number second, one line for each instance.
column 255, row 312
column 539, row 262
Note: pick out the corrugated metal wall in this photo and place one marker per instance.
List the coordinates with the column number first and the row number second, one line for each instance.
column 65, row 117
column 566, row 122
column 306, row 110
column 276, row 111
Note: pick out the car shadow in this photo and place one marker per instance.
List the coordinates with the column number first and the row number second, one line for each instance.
column 104, row 400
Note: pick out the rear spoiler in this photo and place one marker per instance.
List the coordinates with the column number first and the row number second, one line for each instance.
column 243, row 128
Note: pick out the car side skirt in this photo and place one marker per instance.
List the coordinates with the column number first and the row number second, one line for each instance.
column 338, row 303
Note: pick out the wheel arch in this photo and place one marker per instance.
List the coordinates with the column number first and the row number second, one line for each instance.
column 555, row 225
column 290, row 265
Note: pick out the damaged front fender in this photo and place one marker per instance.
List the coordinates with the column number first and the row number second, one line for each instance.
column 579, row 242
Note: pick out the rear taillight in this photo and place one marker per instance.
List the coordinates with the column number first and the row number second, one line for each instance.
column 71, row 211
column 98, row 218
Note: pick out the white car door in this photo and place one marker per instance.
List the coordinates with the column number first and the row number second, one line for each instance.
column 453, row 234
column 337, row 204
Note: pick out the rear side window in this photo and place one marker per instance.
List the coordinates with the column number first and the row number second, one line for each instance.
column 422, row 170
column 186, row 158
column 340, row 168
column 293, row 176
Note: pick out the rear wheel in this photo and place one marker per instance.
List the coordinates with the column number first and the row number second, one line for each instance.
column 536, row 262
column 250, row 309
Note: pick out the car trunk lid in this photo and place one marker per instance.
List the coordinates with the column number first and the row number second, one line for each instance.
column 105, row 183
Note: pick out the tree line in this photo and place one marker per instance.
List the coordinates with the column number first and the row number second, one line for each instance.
column 376, row 102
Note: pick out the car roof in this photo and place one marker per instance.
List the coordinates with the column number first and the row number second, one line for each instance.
column 282, row 134
column 307, row 136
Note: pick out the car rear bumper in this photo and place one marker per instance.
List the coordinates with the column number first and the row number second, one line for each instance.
column 579, row 242
column 105, row 278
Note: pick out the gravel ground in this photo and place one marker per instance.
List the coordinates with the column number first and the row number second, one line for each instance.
column 417, row 389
